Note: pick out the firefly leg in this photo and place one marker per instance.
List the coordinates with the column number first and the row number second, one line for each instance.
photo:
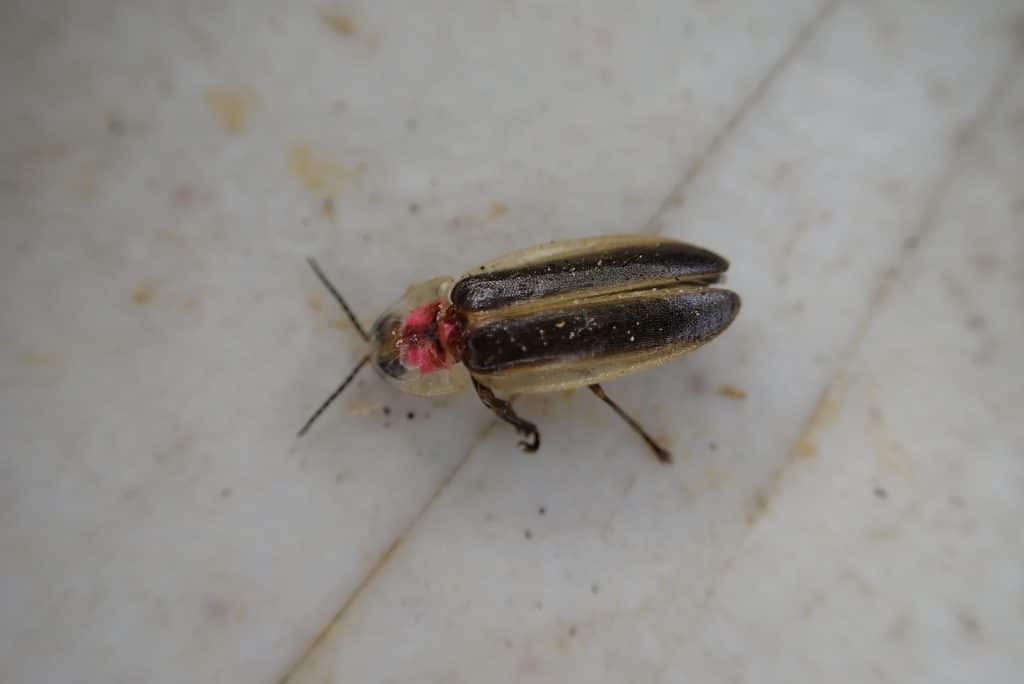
column 504, row 410
column 663, row 455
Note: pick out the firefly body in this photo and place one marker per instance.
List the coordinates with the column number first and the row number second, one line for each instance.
column 553, row 317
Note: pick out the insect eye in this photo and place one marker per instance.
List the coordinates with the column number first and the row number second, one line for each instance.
column 391, row 366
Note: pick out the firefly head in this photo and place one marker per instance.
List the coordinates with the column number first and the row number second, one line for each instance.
column 414, row 344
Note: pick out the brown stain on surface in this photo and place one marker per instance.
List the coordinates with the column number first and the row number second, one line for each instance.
column 338, row 22
column 144, row 293
column 327, row 208
column 497, row 210
column 317, row 173
column 824, row 412
column 730, row 392
column 231, row 107
column 805, row 448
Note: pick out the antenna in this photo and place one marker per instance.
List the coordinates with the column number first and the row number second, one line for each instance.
column 362, row 333
column 337, row 296
column 334, row 395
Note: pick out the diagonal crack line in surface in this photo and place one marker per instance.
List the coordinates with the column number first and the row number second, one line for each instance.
column 676, row 196
column 886, row 282
column 384, row 560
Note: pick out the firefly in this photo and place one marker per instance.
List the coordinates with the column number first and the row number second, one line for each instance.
column 553, row 317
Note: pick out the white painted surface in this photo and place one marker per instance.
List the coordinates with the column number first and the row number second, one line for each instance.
column 853, row 518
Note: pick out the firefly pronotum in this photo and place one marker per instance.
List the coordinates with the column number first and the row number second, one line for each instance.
column 553, row 317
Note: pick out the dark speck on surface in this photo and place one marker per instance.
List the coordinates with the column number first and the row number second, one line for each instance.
column 528, row 534
column 541, row 511
column 970, row 624
column 594, row 588
column 975, row 322
column 386, row 410
column 115, row 126
column 881, row 493
column 410, row 415
column 216, row 610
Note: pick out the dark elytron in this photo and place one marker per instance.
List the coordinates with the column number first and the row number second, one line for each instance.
column 599, row 329
column 620, row 268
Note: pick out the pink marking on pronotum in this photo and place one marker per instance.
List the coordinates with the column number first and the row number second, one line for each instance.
column 421, row 318
column 421, row 342
column 425, row 357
